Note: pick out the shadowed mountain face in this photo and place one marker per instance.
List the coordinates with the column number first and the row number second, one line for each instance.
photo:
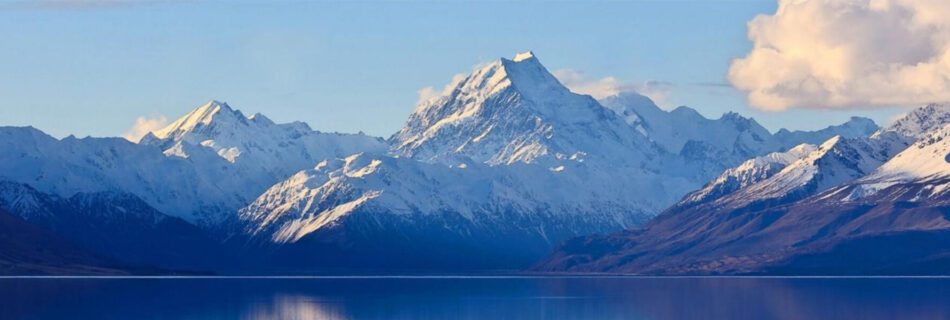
column 26, row 249
column 855, row 206
column 813, row 236
column 119, row 226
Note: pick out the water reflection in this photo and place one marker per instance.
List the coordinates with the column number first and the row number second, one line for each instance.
column 294, row 307
column 476, row 298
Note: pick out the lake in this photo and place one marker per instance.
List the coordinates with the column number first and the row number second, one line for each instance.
column 475, row 298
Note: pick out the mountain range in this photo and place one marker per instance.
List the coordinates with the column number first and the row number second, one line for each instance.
column 875, row 205
column 501, row 169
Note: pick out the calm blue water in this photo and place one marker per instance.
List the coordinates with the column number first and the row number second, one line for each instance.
column 476, row 298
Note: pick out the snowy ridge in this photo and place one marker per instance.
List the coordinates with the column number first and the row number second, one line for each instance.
column 672, row 130
column 69, row 166
column 919, row 122
column 837, row 161
column 478, row 195
column 262, row 151
column 201, row 168
column 833, row 163
column 928, row 158
column 915, row 151
column 746, row 174
column 926, row 162
column 709, row 146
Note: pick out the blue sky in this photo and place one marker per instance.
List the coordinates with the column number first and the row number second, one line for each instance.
column 94, row 69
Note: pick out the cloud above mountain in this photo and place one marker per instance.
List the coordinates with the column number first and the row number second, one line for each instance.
column 431, row 92
column 842, row 54
column 600, row 88
column 143, row 126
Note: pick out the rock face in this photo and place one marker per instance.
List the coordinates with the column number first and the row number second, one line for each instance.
column 849, row 206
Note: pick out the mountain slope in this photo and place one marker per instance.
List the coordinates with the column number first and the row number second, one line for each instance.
column 824, row 234
column 750, row 172
column 119, row 226
column 366, row 208
column 835, row 162
column 924, row 163
column 69, row 166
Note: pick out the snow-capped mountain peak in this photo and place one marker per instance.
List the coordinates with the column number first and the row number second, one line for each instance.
column 920, row 121
column 523, row 56
column 512, row 111
column 204, row 115
column 533, row 80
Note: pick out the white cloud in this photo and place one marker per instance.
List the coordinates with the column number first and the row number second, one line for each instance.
column 580, row 83
column 427, row 93
column 847, row 53
column 430, row 92
column 143, row 126
column 608, row 86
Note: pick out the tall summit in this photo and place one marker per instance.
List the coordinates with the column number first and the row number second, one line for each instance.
column 515, row 111
column 202, row 117
column 493, row 174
